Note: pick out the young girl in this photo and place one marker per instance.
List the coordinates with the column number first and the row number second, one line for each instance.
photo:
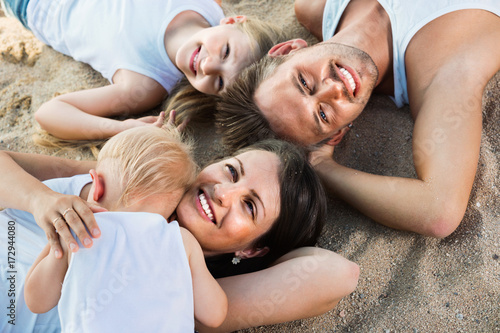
column 143, row 49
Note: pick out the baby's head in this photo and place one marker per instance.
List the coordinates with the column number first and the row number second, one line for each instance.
column 143, row 169
column 212, row 58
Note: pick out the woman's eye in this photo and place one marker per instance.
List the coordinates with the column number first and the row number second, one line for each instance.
column 250, row 208
column 233, row 172
column 227, row 51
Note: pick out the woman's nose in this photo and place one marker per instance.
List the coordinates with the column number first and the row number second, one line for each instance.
column 224, row 194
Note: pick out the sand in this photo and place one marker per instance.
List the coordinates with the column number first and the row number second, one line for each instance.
column 408, row 283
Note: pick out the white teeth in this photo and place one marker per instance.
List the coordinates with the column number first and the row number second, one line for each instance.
column 349, row 78
column 206, row 207
column 195, row 59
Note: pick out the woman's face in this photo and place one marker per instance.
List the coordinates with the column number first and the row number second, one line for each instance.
column 232, row 202
column 212, row 58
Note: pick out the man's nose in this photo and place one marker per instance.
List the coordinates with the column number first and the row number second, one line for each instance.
column 331, row 89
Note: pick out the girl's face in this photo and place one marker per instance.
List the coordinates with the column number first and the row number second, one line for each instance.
column 232, row 202
column 212, row 58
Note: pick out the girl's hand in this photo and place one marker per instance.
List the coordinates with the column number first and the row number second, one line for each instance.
column 143, row 121
column 55, row 212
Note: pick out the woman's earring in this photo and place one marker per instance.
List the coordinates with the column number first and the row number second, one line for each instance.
column 236, row 260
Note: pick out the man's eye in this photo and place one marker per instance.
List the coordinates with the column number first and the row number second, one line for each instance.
column 322, row 114
column 233, row 172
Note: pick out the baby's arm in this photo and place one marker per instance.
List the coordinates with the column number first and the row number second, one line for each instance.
column 82, row 115
column 42, row 289
column 210, row 301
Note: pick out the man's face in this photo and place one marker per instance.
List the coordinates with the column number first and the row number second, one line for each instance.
column 317, row 91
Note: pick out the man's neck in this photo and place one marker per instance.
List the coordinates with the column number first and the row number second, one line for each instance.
column 366, row 26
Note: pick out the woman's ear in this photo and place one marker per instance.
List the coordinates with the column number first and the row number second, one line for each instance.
column 97, row 190
column 287, row 47
column 233, row 19
column 252, row 252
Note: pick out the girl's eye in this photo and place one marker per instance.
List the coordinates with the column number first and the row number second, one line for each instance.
column 250, row 208
column 221, row 83
column 227, row 51
column 303, row 82
column 233, row 172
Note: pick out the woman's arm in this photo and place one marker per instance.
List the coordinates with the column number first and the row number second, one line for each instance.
column 304, row 283
column 42, row 289
column 210, row 301
column 81, row 115
column 21, row 190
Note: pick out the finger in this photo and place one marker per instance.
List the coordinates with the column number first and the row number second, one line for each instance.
column 65, row 234
column 183, row 125
column 171, row 118
column 53, row 240
column 78, row 222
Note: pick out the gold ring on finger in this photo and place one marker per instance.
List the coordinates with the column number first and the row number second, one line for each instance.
column 66, row 211
column 55, row 220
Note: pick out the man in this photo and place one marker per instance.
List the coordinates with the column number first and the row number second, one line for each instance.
column 435, row 56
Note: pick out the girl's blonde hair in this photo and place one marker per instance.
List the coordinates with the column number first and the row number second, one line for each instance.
column 148, row 161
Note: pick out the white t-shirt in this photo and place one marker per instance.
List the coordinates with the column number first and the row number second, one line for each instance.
column 110, row 35
column 407, row 18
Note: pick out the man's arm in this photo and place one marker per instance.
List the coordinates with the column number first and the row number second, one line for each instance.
column 304, row 283
column 82, row 115
column 42, row 289
column 445, row 86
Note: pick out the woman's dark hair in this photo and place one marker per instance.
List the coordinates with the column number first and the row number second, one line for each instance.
column 301, row 216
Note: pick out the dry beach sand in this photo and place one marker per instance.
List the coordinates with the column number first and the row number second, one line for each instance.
column 408, row 283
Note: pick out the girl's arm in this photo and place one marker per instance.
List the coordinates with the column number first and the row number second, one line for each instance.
column 42, row 288
column 304, row 283
column 82, row 115
column 210, row 301
column 21, row 190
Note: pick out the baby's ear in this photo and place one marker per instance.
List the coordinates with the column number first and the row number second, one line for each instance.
column 233, row 19
column 97, row 184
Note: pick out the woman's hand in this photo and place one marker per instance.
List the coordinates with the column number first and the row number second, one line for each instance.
column 55, row 212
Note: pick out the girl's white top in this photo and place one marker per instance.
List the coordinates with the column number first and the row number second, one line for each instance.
column 110, row 35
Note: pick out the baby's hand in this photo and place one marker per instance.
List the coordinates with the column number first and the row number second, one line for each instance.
column 57, row 213
column 171, row 121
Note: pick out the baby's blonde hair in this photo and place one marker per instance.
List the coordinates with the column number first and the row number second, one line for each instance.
column 148, row 161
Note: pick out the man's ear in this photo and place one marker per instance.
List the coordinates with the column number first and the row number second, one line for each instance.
column 233, row 19
column 287, row 47
column 337, row 137
column 252, row 253
column 98, row 185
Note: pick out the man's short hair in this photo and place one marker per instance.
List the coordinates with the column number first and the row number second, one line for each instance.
column 238, row 118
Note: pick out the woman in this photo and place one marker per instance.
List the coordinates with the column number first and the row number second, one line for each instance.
column 232, row 210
